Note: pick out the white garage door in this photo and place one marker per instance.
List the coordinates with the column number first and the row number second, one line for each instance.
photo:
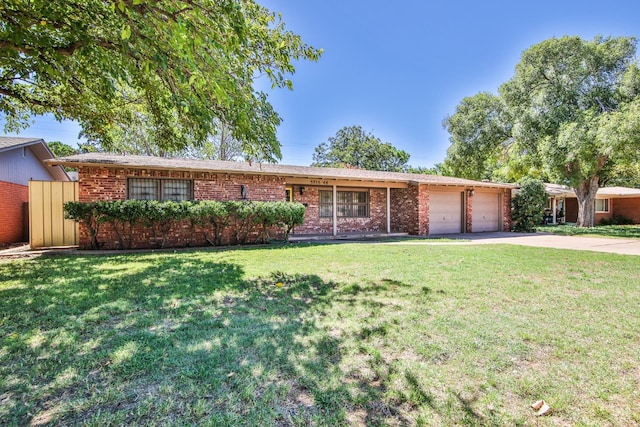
column 485, row 213
column 445, row 213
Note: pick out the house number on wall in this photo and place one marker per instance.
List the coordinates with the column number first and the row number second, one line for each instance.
column 319, row 182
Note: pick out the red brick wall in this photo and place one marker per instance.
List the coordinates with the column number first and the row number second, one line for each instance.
column 599, row 216
column 506, row 209
column 422, row 227
column 12, row 220
column 99, row 183
column 629, row 208
column 404, row 210
column 313, row 224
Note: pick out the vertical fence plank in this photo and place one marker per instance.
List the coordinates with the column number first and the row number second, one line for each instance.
column 47, row 224
column 46, row 214
column 57, row 217
column 36, row 215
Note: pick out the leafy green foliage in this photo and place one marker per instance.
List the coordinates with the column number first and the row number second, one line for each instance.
column 616, row 220
column 159, row 218
column 177, row 65
column 91, row 215
column 353, row 147
column 480, row 132
column 123, row 215
column 210, row 213
column 613, row 230
column 527, row 205
column 60, row 149
column 570, row 113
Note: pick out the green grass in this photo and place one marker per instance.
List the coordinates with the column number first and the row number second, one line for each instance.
column 622, row 231
column 349, row 334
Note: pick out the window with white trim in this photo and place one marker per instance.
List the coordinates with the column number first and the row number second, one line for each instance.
column 349, row 204
column 602, row 205
column 159, row 189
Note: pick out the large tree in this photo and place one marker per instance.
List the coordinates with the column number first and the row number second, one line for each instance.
column 60, row 149
column 184, row 64
column 570, row 111
column 354, row 147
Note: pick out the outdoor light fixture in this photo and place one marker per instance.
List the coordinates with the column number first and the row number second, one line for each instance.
column 471, row 192
column 243, row 192
column 302, row 190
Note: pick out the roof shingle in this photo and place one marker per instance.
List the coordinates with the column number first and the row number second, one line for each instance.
column 8, row 142
column 149, row 162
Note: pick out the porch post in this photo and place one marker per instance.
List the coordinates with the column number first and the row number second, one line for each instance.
column 388, row 210
column 335, row 210
column 554, row 206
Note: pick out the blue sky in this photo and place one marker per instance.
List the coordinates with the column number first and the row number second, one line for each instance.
column 399, row 68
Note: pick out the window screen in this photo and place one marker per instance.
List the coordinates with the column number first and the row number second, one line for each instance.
column 174, row 189
column 159, row 189
column 349, row 204
column 143, row 189
column 326, row 204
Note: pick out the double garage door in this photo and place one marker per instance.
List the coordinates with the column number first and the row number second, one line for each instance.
column 446, row 212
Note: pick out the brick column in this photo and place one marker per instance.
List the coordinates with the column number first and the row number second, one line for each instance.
column 422, row 201
column 468, row 203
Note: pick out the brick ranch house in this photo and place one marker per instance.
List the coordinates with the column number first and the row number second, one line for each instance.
column 610, row 202
column 337, row 201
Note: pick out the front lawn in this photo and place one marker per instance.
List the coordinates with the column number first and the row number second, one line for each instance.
column 347, row 334
column 622, row 231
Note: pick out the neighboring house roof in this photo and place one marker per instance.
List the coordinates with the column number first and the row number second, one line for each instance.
column 558, row 190
column 217, row 166
column 619, row 192
column 39, row 149
column 11, row 142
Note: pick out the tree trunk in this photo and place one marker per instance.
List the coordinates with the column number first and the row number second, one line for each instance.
column 586, row 194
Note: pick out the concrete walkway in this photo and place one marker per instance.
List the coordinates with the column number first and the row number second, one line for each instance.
column 541, row 240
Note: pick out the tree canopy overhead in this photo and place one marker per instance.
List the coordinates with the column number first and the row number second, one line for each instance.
column 353, row 147
column 186, row 64
column 570, row 113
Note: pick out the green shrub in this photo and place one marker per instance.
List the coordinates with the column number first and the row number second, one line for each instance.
column 616, row 220
column 160, row 217
column 211, row 213
column 527, row 205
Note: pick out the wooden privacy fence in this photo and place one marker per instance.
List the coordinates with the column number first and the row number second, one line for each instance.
column 47, row 226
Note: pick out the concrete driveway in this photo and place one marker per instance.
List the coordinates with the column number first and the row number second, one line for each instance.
column 548, row 240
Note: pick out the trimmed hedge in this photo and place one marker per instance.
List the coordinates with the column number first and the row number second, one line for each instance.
column 214, row 217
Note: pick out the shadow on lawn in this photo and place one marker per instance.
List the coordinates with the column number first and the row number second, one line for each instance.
column 161, row 339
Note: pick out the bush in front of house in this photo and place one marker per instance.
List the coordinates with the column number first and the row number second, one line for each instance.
column 527, row 205
column 616, row 220
column 245, row 218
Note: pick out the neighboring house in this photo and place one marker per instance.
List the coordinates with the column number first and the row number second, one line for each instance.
column 21, row 160
column 338, row 201
column 610, row 202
